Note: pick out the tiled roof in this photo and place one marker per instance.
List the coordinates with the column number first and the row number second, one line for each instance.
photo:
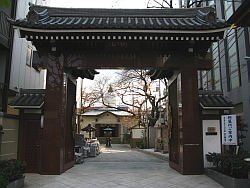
column 28, row 98
column 214, row 100
column 40, row 17
column 114, row 112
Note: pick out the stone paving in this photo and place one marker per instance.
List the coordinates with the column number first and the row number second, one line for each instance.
column 120, row 167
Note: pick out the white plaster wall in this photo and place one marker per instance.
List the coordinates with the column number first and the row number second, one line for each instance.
column 137, row 133
column 211, row 143
column 23, row 76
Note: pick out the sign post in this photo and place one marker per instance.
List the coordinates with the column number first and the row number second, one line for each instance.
column 229, row 130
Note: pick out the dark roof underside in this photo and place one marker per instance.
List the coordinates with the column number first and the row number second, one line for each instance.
column 214, row 100
column 83, row 73
column 159, row 74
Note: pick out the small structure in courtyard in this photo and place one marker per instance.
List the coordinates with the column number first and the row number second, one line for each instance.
column 108, row 122
column 89, row 129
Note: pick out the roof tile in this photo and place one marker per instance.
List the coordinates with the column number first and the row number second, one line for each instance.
column 32, row 98
column 214, row 100
column 183, row 19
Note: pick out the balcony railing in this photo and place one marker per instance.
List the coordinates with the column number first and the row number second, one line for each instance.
column 4, row 26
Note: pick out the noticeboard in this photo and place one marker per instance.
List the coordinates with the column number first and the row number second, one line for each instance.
column 229, row 130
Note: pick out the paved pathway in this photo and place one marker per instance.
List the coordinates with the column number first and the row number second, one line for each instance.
column 120, row 167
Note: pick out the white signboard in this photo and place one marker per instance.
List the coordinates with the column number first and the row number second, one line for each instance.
column 229, row 130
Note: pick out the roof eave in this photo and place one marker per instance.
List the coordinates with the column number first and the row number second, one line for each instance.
column 26, row 107
column 216, row 107
column 156, row 31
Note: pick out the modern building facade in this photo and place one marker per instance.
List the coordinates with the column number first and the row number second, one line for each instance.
column 231, row 68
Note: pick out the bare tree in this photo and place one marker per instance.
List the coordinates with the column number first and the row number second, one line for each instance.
column 94, row 94
column 170, row 3
column 134, row 87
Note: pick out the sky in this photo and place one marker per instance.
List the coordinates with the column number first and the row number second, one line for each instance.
column 106, row 3
column 99, row 3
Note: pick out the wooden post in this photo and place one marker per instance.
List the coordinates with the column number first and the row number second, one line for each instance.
column 191, row 152
column 186, row 149
column 52, row 154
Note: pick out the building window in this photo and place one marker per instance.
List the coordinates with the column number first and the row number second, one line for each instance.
column 195, row 3
column 29, row 56
column 216, row 81
column 204, row 80
column 233, row 64
column 232, row 56
column 228, row 7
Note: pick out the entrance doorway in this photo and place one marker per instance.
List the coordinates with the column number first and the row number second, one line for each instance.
column 31, row 145
column 109, row 130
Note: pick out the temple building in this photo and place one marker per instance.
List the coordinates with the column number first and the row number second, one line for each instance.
column 109, row 122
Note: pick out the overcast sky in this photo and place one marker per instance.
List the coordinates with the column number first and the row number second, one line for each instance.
column 99, row 3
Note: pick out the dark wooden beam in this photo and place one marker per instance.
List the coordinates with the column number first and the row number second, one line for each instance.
column 123, row 60
column 177, row 61
column 241, row 17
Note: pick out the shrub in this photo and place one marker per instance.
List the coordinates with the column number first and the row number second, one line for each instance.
column 12, row 169
column 231, row 164
column 140, row 144
column 3, row 182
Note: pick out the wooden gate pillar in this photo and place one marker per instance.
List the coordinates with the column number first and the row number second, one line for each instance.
column 186, row 153
column 52, row 148
column 191, row 152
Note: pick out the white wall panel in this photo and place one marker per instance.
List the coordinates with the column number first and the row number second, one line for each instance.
column 22, row 75
column 211, row 143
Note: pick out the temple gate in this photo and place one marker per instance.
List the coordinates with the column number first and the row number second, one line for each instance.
column 71, row 43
